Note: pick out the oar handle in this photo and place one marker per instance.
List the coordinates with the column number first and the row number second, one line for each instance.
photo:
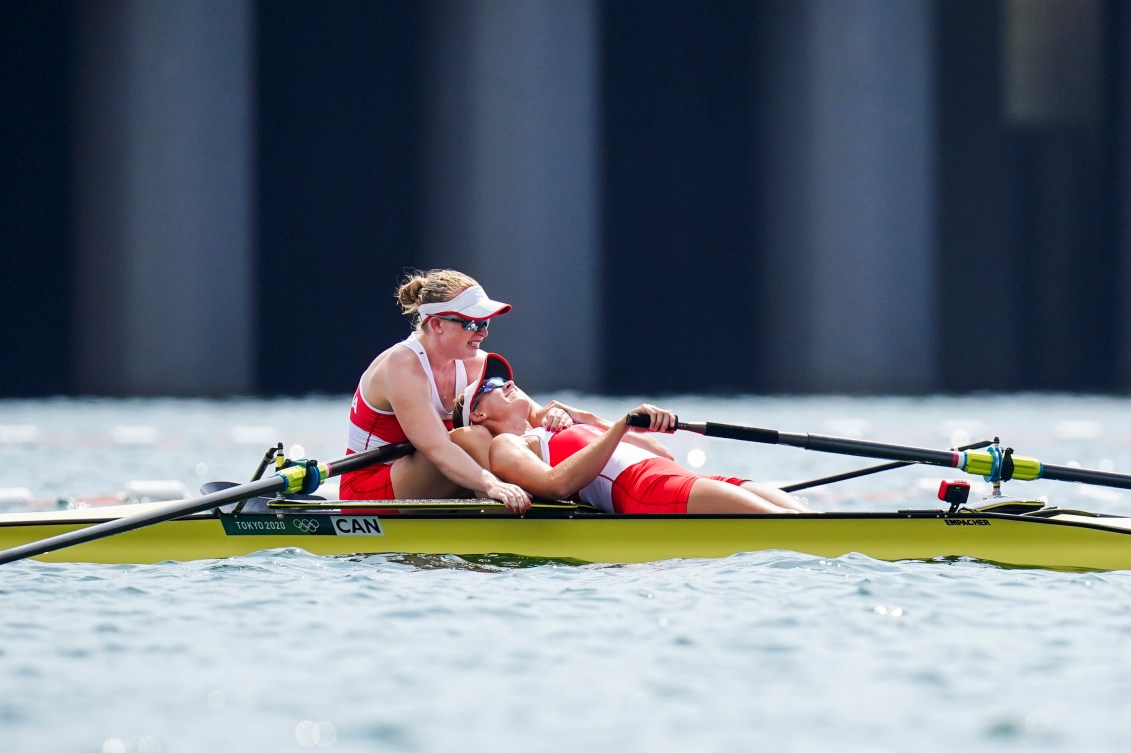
column 724, row 431
column 728, row 431
column 707, row 428
column 640, row 421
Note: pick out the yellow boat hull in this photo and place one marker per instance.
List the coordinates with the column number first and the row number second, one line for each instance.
column 1056, row 540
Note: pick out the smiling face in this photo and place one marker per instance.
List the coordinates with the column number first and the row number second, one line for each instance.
column 503, row 410
column 452, row 336
column 453, row 316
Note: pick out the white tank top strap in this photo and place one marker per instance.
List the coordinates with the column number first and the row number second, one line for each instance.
column 461, row 378
column 412, row 342
column 543, row 435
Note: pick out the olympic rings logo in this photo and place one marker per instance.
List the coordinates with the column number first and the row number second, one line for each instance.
column 306, row 525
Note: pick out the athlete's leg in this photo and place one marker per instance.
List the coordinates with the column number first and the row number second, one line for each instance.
column 711, row 496
column 416, row 477
column 476, row 442
column 777, row 496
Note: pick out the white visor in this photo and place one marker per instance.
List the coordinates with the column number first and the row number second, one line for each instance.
column 472, row 303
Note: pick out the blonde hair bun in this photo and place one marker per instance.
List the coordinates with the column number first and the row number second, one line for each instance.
column 433, row 286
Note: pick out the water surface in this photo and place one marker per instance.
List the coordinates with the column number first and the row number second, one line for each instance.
column 767, row 650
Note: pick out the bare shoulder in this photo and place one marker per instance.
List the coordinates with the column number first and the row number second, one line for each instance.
column 397, row 365
column 474, row 440
column 473, row 366
column 393, row 370
column 513, row 442
column 514, row 460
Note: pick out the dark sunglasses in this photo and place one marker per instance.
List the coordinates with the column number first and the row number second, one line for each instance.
column 468, row 324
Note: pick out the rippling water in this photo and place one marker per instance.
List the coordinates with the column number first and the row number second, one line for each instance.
column 769, row 650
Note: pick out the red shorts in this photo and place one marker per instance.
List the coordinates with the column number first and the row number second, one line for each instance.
column 658, row 485
column 374, row 482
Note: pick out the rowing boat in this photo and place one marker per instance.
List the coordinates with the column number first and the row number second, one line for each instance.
column 280, row 511
column 1007, row 532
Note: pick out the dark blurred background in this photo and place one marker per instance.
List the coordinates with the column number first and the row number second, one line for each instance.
column 218, row 197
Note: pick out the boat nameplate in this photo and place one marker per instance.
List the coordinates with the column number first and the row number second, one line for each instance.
column 302, row 525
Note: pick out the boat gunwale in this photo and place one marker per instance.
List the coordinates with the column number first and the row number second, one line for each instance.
column 404, row 510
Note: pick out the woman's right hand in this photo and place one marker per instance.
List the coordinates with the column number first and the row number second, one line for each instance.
column 661, row 420
column 514, row 497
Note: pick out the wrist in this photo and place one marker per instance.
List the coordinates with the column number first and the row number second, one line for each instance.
column 487, row 480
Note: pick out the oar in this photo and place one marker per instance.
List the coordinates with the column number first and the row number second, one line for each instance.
column 991, row 463
column 868, row 471
column 304, row 477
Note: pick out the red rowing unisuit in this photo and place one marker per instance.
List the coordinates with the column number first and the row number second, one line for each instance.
column 633, row 481
column 371, row 427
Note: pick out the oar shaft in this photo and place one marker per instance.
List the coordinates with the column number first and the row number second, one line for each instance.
column 359, row 460
column 1086, row 476
column 861, row 448
column 724, row 431
column 166, row 512
column 220, row 498
column 993, row 464
column 801, row 485
column 821, row 443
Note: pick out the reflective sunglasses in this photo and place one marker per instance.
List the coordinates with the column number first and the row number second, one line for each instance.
column 468, row 324
column 490, row 385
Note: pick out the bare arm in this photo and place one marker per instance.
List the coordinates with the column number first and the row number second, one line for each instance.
column 552, row 417
column 644, row 441
column 475, row 441
column 514, row 460
column 410, row 397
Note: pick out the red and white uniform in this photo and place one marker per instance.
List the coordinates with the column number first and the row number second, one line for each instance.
column 371, row 428
column 634, row 480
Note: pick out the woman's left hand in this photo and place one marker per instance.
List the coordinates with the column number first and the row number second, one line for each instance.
column 556, row 419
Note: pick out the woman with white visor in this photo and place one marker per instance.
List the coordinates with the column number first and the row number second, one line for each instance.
column 408, row 392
